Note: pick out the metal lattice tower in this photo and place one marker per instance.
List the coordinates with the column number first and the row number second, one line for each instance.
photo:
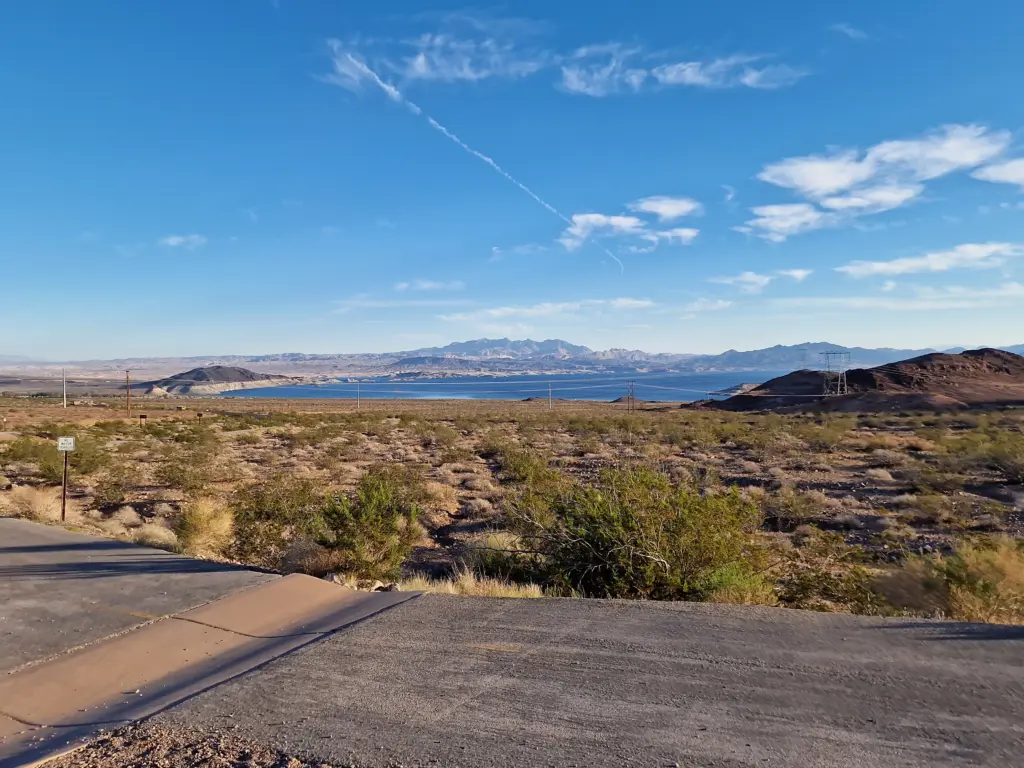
column 836, row 364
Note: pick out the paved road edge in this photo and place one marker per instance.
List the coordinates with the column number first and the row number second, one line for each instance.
column 58, row 704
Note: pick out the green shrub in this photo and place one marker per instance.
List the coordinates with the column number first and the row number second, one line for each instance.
column 822, row 573
column 372, row 532
column 926, row 479
column 268, row 515
column 787, row 508
column 638, row 536
column 87, row 457
column 523, row 466
column 115, row 485
column 1006, row 455
column 189, row 470
column 366, row 534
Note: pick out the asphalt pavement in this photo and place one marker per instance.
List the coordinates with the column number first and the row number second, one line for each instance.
column 60, row 590
column 474, row 682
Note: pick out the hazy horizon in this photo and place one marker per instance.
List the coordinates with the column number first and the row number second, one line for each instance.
column 4, row 356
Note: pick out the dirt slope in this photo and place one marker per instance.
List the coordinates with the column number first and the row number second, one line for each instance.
column 975, row 378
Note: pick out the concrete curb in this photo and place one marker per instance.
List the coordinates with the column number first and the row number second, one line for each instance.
column 51, row 707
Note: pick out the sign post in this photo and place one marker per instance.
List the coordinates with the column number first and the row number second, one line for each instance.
column 65, row 445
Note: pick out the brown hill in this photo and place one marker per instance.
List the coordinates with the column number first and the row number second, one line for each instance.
column 936, row 381
column 211, row 380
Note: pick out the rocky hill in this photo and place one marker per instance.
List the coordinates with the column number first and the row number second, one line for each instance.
column 938, row 380
column 212, row 380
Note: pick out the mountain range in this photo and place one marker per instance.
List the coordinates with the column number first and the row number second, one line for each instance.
column 492, row 356
column 807, row 355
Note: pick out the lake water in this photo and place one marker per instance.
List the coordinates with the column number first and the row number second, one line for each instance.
column 677, row 387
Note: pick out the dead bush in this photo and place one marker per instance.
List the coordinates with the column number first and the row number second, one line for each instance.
column 982, row 581
column 205, row 526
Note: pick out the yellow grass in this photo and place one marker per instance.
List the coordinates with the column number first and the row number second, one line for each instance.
column 205, row 527
column 980, row 582
column 154, row 535
column 469, row 584
column 39, row 504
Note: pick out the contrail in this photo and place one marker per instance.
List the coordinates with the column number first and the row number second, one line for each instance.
column 395, row 95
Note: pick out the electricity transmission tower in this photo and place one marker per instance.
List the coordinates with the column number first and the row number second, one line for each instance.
column 836, row 364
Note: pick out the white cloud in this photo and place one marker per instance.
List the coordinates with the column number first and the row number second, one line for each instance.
column 526, row 249
column 446, row 58
column 624, row 303
column 1010, row 172
column 463, row 49
column 707, row 305
column 797, row 274
column 951, row 148
column 585, row 225
column 874, row 199
column 818, row 175
column 364, row 301
column 188, row 242
column 1004, row 291
column 950, row 298
column 850, row 31
column 430, row 285
column 680, row 235
column 969, row 255
column 888, row 286
column 601, row 70
column 730, row 193
column 747, row 282
column 549, row 309
column 728, row 72
column 848, row 183
column 778, row 222
column 667, row 208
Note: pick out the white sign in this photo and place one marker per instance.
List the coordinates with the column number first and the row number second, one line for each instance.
column 65, row 444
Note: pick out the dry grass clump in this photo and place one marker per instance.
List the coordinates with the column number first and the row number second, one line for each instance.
column 440, row 497
column 205, row 526
column 156, row 536
column 882, row 475
column 468, row 583
column 39, row 504
column 477, row 508
column 128, row 517
column 306, row 556
column 887, row 458
column 478, row 483
column 982, row 581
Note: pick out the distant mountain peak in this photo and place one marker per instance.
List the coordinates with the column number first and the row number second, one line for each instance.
column 512, row 349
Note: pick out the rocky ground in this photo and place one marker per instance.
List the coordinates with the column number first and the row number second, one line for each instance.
column 147, row 746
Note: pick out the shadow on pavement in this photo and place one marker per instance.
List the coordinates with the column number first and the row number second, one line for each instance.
column 100, row 559
column 959, row 630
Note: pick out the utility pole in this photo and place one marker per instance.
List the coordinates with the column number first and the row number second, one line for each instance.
column 128, row 393
column 64, row 382
column 549, row 395
column 357, row 395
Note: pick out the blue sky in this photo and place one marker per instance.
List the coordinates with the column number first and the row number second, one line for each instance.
column 252, row 176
